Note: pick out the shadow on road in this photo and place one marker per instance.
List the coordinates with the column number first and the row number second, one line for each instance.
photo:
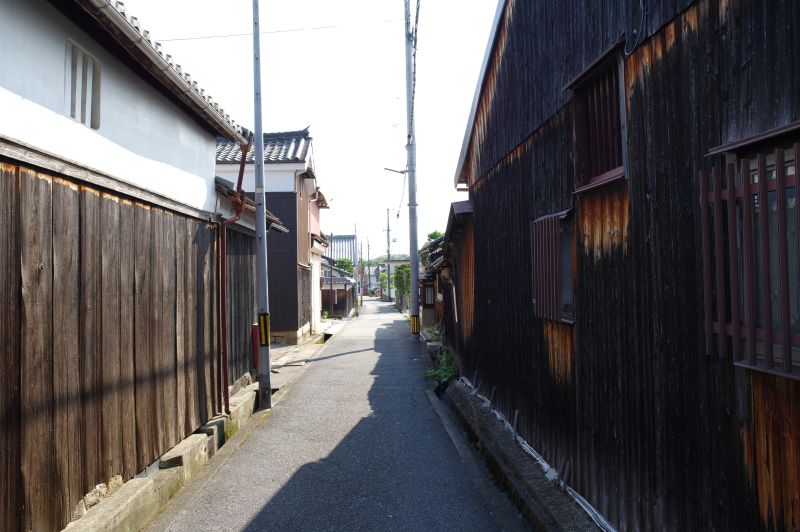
column 395, row 468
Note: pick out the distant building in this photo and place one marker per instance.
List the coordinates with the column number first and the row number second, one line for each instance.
column 293, row 194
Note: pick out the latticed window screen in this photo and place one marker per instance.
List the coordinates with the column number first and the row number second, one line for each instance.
column 552, row 240
column 598, row 126
column 750, row 220
column 83, row 90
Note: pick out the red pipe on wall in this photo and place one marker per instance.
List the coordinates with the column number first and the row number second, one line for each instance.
column 238, row 206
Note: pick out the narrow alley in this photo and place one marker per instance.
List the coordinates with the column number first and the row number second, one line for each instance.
column 355, row 444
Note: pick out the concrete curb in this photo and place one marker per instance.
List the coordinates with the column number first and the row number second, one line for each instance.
column 138, row 501
column 541, row 503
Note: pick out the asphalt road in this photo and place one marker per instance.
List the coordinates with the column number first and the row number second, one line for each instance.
column 354, row 445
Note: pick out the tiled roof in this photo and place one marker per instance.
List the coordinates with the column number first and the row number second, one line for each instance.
column 284, row 147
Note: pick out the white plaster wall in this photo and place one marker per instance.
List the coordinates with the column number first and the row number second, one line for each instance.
column 143, row 138
column 277, row 177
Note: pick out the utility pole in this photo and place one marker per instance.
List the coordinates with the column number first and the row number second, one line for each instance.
column 411, row 148
column 262, row 273
column 388, row 258
column 369, row 273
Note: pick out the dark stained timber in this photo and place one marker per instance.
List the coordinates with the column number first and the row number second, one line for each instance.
column 42, row 510
column 11, row 497
column 66, row 363
column 653, row 433
column 110, row 341
column 127, row 315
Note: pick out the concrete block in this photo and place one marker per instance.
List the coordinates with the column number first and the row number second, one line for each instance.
column 215, row 430
column 130, row 508
column 190, row 455
column 166, row 484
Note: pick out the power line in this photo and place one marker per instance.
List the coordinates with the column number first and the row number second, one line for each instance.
column 269, row 32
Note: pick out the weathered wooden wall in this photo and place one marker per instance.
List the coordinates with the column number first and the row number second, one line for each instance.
column 651, row 431
column 108, row 340
column 242, row 308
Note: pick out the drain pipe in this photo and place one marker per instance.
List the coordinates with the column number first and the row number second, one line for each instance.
column 238, row 206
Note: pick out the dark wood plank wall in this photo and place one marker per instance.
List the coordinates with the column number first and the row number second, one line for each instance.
column 653, row 433
column 242, row 305
column 10, row 299
column 282, row 263
column 109, row 341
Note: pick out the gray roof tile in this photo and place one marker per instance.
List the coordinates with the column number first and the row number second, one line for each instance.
column 284, row 147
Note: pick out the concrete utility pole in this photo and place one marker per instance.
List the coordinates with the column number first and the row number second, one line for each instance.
column 388, row 258
column 262, row 274
column 412, row 170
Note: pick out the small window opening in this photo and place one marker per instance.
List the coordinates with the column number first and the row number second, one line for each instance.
column 83, row 73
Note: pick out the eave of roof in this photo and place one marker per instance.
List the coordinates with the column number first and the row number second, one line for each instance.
column 125, row 30
column 458, row 209
column 501, row 4
column 225, row 187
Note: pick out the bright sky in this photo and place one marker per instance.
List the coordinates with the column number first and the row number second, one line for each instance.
column 343, row 74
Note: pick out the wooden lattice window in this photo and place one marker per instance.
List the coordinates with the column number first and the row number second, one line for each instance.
column 83, row 86
column 598, row 125
column 750, row 221
column 552, row 256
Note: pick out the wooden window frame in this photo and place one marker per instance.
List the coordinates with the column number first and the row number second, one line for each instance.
column 428, row 302
column 601, row 87
column 547, row 269
column 756, row 326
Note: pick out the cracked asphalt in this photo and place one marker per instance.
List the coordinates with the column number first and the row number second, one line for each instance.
column 355, row 444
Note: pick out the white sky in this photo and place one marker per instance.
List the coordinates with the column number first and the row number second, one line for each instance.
column 348, row 84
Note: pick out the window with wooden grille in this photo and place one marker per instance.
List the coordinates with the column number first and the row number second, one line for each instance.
column 552, row 255
column 750, row 220
column 429, row 299
column 598, row 125
column 83, row 86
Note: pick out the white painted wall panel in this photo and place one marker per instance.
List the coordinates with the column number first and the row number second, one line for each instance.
column 135, row 116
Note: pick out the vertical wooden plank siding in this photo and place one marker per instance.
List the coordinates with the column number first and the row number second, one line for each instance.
column 180, row 326
column 168, row 375
column 658, row 436
column 11, row 500
column 719, row 257
column 214, row 350
column 143, row 367
column 90, row 336
column 204, row 277
column 110, row 321
column 706, row 232
column 127, row 351
column 157, row 333
column 110, row 340
column 191, row 326
column 41, row 507
column 67, row 420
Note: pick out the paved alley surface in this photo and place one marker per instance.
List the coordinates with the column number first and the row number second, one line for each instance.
column 354, row 445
